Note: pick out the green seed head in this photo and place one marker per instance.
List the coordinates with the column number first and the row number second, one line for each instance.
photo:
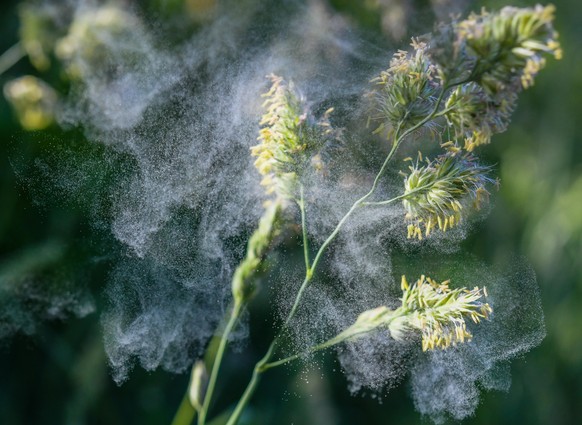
column 474, row 116
column 407, row 91
column 502, row 51
column 289, row 139
column 435, row 192
column 33, row 100
column 435, row 310
column 439, row 312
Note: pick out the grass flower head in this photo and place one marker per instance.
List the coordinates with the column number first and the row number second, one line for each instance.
column 33, row 100
column 407, row 91
column 474, row 116
column 500, row 51
column 436, row 310
column 439, row 312
column 288, row 141
column 436, row 190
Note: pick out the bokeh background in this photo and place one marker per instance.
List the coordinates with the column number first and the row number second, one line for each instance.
column 53, row 369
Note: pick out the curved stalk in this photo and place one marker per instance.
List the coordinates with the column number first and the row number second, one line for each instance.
column 359, row 202
column 329, row 343
column 301, row 204
column 311, row 270
column 234, row 315
column 252, row 385
column 399, row 197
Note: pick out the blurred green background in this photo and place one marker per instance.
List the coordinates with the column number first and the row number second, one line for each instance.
column 59, row 375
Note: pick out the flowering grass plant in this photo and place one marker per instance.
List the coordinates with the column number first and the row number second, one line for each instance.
column 458, row 85
column 454, row 89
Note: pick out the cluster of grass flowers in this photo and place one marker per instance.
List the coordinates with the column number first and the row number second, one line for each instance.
column 475, row 116
column 434, row 191
column 439, row 312
column 432, row 310
column 462, row 82
column 244, row 278
column 33, row 100
column 493, row 56
column 80, row 49
column 467, row 74
column 281, row 145
column 407, row 91
column 83, row 46
column 289, row 139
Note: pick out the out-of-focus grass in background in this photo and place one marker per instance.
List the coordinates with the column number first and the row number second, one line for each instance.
column 59, row 374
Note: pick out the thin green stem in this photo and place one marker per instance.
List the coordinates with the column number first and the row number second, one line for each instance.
column 399, row 197
column 301, row 204
column 10, row 57
column 358, row 203
column 234, row 315
column 286, row 360
column 329, row 343
column 346, row 335
column 296, row 303
column 444, row 112
column 252, row 385
column 389, row 201
column 426, row 119
column 249, row 391
column 297, row 356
